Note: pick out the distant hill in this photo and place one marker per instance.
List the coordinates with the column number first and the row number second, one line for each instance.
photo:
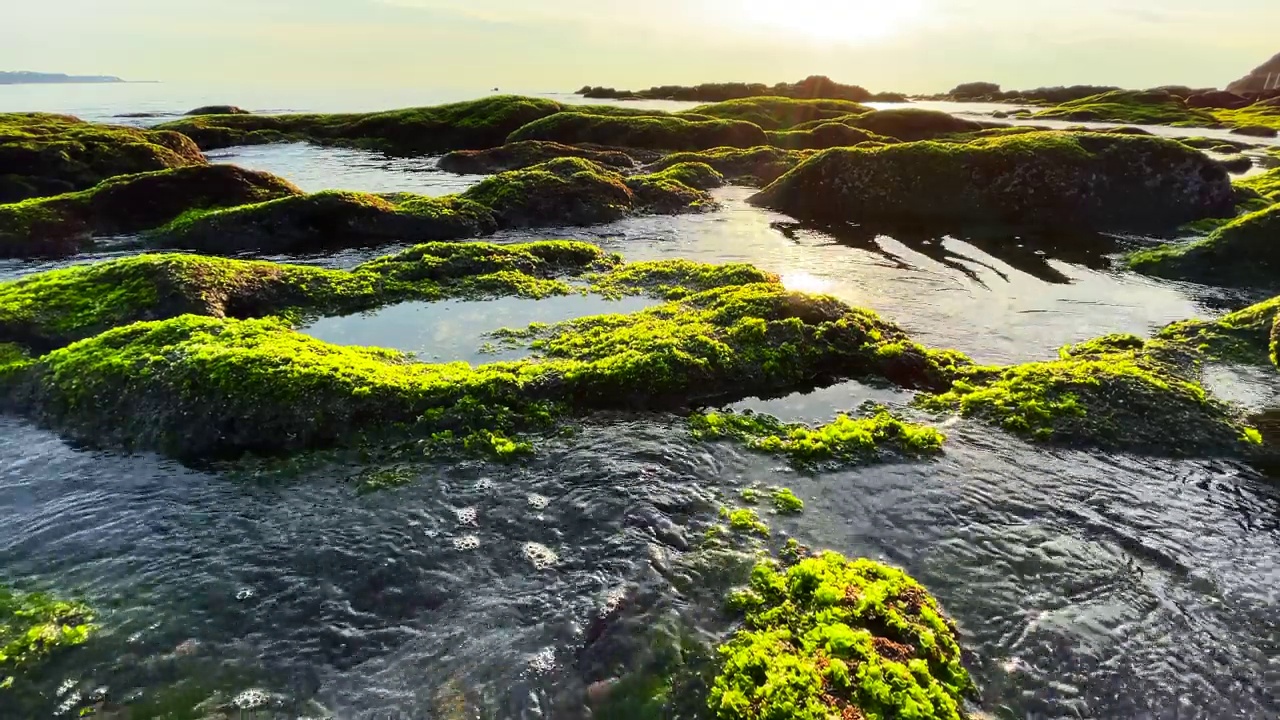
column 31, row 78
column 1264, row 77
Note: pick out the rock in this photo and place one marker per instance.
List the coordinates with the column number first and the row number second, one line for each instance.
column 778, row 113
column 826, row 135
column 1136, row 107
column 218, row 110
column 1262, row 78
column 515, row 156
column 66, row 224
column 975, row 91
column 1256, row 131
column 1217, row 99
column 1081, row 180
column 652, row 132
column 756, row 166
column 914, row 124
column 43, row 154
column 1242, row 253
column 1237, row 164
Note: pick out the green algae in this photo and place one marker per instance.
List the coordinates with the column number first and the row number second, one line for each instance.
column 43, row 154
column 475, row 124
column 1266, row 184
column 1258, row 115
column 826, row 135
column 814, row 86
column 785, row 501
column 754, row 166
column 518, row 155
column 674, row 279
column 745, row 520
column 568, row 191
column 67, row 223
column 780, row 113
column 645, row 132
column 831, row 637
column 1244, row 336
column 848, row 439
column 910, row 124
column 1133, row 107
column 35, row 626
column 1239, row 253
column 50, row 309
column 1105, row 393
column 1079, row 180
column 697, row 175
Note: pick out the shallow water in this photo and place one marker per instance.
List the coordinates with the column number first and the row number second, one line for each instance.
column 1088, row 585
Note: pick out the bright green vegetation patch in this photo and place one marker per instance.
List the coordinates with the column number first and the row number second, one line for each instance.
column 65, row 224
column 674, row 279
column 565, row 191
column 780, row 113
column 1259, row 115
column 1134, row 107
column 1244, row 252
column 35, row 626
column 43, row 154
column 745, row 520
column 836, row 638
column 1093, row 181
column 475, row 124
column 1266, row 184
column 785, row 501
column 1244, row 336
column 754, row 166
column 50, row 309
column 1111, row 393
column 849, row 439
column 666, row 132
column 517, row 155
column 198, row 386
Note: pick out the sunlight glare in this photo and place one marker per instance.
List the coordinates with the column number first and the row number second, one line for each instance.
column 831, row 21
column 804, row 282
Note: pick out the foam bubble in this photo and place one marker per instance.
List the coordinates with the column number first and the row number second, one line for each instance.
column 538, row 502
column 466, row 542
column 68, row 705
column 66, row 687
column 467, row 516
column 540, row 555
column 251, row 699
column 245, row 594
column 544, row 661
column 484, row 485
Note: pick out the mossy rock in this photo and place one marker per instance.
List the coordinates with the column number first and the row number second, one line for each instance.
column 1137, row 107
column 1243, row 253
column 66, row 224
column 1115, row 393
column 1244, row 336
column 872, row 437
column 519, row 155
column 678, row 189
column 646, row 132
column 566, row 191
column 836, row 638
column 474, row 124
column 1237, row 164
column 217, row 110
column 34, row 627
column 910, row 124
column 779, row 113
column 754, row 166
column 1078, row 180
column 308, row 223
column 196, row 386
column 1266, row 185
column 826, row 135
column 43, row 154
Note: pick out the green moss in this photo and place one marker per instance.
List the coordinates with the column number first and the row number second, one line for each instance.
column 1266, row 184
column 826, row 135
column 865, row 439
column 475, row 124
column 43, row 154
column 1243, row 336
column 785, row 501
column 1242, row 252
column 911, row 124
column 1134, row 107
column 780, row 113
column 697, row 175
column 50, row 309
column 667, row 192
column 647, row 132
column 754, row 166
column 565, row 191
column 745, row 520
column 1082, row 180
column 674, row 279
column 198, row 386
column 1113, row 393
column 35, row 626
column 831, row 637
column 518, row 155
column 67, row 223
column 379, row 479
column 1258, row 115
column 751, row 496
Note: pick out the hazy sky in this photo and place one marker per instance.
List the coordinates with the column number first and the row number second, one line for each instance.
column 909, row 45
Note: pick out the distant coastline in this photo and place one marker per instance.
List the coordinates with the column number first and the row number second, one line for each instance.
column 36, row 78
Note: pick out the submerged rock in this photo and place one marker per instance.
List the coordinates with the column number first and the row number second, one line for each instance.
column 1242, row 253
column 519, row 155
column 325, row 220
column 659, row 132
column 474, row 124
column 1080, row 180
column 66, row 224
column 877, row 435
column 43, row 154
column 34, row 627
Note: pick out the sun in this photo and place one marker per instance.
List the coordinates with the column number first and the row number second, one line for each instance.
column 830, row 21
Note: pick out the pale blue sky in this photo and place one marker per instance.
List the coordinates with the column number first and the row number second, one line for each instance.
column 909, row 45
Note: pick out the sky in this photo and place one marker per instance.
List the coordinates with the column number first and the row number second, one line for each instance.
column 911, row 46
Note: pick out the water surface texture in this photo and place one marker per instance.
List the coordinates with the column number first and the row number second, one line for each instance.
column 1087, row 585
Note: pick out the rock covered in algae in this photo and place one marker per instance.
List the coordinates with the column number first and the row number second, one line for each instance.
column 51, row 309
column 1244, row 252
column 831, row 637
column 848, row 438
column 656, row 132
column 518, row 155
column 473, row 124
column 217, row 110
column 35, row 626
column 779, row 113
column 65, row 224
column 1080, row 180
column 909, row 124
column 753, row 166
column 1136, row 107
column 43, row 154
